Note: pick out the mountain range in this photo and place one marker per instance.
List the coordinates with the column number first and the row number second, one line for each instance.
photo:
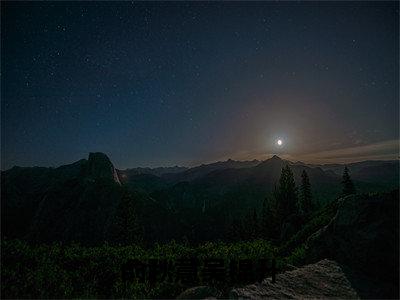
column 80, row 201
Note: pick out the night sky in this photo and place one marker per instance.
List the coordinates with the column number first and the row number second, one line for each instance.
column 164, row 83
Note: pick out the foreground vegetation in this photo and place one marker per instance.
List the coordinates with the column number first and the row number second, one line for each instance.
column 74, row 271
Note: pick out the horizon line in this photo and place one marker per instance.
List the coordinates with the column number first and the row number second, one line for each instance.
column 270, row 156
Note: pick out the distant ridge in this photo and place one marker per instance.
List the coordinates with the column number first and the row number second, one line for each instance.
column 98, row 165
column 56, row 203
column 199, row 171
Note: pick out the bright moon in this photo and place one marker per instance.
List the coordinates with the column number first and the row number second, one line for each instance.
column 279, row 142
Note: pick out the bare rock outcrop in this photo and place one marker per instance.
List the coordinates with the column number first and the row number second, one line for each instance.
column 323, row 280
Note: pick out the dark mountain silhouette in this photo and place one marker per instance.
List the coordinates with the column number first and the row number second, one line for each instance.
column 369, row 175
column 238, row 185
column 60, row 203
column 264, row 174
column 145, row 182
column 384, row 172
column 200, row 171
column 79, row 201
column 128, row 173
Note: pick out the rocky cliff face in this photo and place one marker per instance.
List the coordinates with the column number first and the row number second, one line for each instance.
column 100, row 166
column 325, row 279
column 322, row 280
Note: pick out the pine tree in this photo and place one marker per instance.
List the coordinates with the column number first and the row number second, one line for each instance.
column 286, row 195
column 126, row 228
column 254, row 225
column 268, row 220
column 250, row 225
column 305, row 194
column 236, row 230
column 264, row 218
column 348, row 186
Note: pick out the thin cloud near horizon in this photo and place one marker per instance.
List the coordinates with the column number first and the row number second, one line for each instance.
column 384, row 150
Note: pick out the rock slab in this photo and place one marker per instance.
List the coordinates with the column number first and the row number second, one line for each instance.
column 321, row 280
